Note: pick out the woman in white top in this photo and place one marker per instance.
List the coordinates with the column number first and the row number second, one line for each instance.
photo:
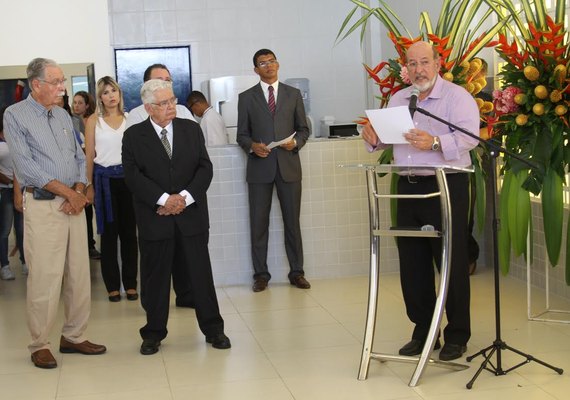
column 113, row 202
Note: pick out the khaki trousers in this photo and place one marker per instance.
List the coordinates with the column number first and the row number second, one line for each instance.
column 55, row 247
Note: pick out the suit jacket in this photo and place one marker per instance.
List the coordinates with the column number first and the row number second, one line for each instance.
column 149, row 173
column 256, row 124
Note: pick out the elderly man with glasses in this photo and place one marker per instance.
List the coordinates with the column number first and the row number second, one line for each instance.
column 50, row 166
column 168, row 170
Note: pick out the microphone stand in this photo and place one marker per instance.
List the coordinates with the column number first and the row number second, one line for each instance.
column 498, row 344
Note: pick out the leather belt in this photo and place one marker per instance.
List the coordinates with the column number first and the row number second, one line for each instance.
column 29, row 189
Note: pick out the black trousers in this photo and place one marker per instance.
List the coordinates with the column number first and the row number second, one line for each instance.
column 418, row 255
column 260, row 196
column 89, row 219
column 123, row 227
column 159, row 260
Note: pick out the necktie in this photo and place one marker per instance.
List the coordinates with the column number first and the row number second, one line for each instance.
column 165, row 143
column 271, row 100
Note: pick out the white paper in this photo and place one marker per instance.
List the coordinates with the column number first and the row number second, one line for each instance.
column 279, row 143
column 391, row 123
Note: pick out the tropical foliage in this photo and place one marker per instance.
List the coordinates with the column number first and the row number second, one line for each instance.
column 533, row 123
column 455, row 36
column 530, row 112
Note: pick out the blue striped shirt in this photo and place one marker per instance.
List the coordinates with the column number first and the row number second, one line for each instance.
column 43, row 151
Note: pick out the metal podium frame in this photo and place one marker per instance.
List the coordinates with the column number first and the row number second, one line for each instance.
column 376, row 232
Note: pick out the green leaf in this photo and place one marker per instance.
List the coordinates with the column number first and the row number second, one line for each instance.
column 552, row 213
column 560, row 11
column 480, row 189
column 519, row 213
column 425, row 23
column 567, row 270
column 503, row 236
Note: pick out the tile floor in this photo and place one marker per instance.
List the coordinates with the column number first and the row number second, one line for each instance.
column 287, row 344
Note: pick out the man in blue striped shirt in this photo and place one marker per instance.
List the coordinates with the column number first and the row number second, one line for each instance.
column 50, row 167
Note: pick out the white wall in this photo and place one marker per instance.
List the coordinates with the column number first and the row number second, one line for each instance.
column 68, row 31
column 224, row 35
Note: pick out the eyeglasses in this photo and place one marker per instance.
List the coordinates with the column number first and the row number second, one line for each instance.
column 165, row 103
column 412, row 65
column 263, row 64
column 56, row 82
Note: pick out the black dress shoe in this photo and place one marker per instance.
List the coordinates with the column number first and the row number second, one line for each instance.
column 115, row 298
column 260, row 284
column 451, row 351
column 94, row 254
column 132, row 296
column 415, row 347
column 300, row 282
column 219, row 341
column 149, row 346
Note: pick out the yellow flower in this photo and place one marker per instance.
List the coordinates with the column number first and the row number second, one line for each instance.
column 538, row 109
column 541, row 92
column 531, row 73
column 521, row 119
column 560, row 73
column 487, row 107
column 520, row 99
column 482, row 82
column 555, row 96
column 448, row 76
column 561, row 109
column 475, row 66
column 476, row 88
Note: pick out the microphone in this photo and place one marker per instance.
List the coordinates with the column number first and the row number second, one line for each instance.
column 413, row 101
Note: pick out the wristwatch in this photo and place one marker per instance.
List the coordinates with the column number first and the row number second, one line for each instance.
column 435, row 145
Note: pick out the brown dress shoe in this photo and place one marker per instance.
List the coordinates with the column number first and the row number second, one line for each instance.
column 300, row 282
column 259, row 284
column 86, row 347
column 43, row 359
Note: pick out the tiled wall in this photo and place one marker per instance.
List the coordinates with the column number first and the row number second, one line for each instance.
column 334, row 215
column 223, row 35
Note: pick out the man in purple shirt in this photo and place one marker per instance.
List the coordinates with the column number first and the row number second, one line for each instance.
column 433, row 143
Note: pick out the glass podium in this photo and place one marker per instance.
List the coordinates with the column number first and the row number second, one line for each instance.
column 376, row 232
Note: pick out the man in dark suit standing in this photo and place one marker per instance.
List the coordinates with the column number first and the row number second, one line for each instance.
column 168, row 170
column 269, row 112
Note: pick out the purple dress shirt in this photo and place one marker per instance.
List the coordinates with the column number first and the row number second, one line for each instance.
column 452, row 103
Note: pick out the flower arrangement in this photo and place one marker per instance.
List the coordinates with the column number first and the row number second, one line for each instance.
column 454, row 37
column 532, row 121
column 392, row 75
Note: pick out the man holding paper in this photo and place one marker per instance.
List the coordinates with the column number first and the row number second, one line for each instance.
column 433, row 143
column 270, row 112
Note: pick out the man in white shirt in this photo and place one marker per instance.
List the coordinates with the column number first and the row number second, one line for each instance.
column 139, row 114
column 211, row 122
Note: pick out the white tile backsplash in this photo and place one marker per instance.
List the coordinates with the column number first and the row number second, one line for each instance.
column 334, row 220
column 161, row 27
column 128, row 29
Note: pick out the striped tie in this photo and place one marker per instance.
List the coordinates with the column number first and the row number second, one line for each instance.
column 165, row 143
column 271, row 100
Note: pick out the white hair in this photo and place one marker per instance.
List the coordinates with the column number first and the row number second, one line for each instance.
column 151, row 86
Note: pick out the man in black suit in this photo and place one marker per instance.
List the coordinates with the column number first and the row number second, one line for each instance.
column 168, row 170
column 268, row 112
